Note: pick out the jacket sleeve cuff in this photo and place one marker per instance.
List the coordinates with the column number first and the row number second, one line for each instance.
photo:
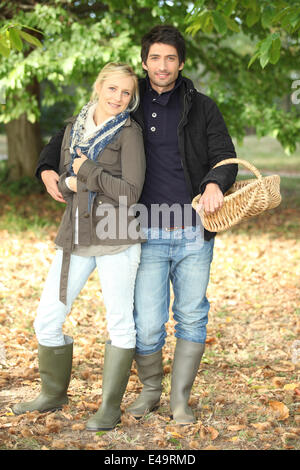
column 42, row 168
column 86, row 169
column 203, row 184
column 63, row 187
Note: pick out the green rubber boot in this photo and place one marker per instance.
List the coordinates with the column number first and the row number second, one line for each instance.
column 150, row 372
column 116, row 372
column 55, row 365
column 186, row 363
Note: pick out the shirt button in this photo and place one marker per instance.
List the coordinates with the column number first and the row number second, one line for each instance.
column 154, row 115
column 153, row 129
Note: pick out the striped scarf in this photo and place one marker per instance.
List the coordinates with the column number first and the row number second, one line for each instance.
column 95, row 142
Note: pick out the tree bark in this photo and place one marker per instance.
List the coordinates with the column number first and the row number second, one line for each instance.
column 24, row 143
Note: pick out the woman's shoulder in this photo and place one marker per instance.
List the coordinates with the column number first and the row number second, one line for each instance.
column 131, row 123
column 131, row 133
column 131, row 127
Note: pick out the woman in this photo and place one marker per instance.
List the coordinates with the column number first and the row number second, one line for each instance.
column 102, row 159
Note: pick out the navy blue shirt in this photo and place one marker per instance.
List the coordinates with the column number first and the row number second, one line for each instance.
column 164, row 180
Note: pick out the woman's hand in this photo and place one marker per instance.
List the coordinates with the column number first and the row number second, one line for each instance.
column 211, row 200
column 78, row 161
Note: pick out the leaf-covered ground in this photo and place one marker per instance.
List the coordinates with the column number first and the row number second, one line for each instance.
column 247, row 392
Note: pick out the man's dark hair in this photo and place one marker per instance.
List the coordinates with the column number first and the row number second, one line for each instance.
column 165, row 34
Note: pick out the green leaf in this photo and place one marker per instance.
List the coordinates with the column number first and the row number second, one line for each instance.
column 208, row 24
column 232, row 25
column 275, row 51
column 219, row 22
column 15, row 39
column 253, row 59
column 5, row 51
column 198, row 22
column 264, row 59
column 31, row 39
column 229, row 7
column 265, row 45
column 252, row 18
column 267, row 16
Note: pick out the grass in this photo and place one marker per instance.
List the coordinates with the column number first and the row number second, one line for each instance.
column 267, row 154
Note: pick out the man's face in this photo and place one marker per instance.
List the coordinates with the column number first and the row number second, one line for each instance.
column 163, row 66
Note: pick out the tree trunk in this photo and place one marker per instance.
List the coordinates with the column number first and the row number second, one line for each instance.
column 24, row 143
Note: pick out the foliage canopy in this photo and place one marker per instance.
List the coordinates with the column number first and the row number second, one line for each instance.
column 243, row 53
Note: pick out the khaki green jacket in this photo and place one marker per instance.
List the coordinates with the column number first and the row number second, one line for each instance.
column 119, row 171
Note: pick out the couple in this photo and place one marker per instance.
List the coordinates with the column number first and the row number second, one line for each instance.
column 153, row 141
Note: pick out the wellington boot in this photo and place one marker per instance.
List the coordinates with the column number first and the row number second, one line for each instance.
column 55, row 365
column 186, row 363
column 116, row 372
column 150, row 372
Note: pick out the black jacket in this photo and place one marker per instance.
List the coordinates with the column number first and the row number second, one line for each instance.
column 203, row 141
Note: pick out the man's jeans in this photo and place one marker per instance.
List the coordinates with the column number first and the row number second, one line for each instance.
column 117, row 275
column 186, row 263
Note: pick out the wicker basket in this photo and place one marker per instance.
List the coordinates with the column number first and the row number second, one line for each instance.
column 244, row 199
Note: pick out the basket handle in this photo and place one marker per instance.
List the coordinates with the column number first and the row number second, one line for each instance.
column 243, row 162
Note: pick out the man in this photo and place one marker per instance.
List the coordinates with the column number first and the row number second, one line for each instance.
column 184, row 136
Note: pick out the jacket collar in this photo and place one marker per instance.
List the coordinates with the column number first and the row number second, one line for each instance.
column 187, row 92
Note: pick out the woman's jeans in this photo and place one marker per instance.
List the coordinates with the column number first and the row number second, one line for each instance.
column 117, row 275
column 185, row 261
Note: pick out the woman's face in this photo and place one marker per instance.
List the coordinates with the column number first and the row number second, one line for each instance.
column 114, row 94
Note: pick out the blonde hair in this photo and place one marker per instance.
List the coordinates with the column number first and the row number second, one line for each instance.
column 121, row 69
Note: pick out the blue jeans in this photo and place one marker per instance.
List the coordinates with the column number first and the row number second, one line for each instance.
column 117, row 274
column 186, row 263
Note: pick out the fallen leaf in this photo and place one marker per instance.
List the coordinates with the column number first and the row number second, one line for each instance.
column 78, row 427
column 290, row 386
column 261, row 427
column 236, row 427
column 289, row 436
column 284, row 366
column 90, row 406
column 175, row 434
column 26, row 432
column 58, row 444
column 194, row 444
column 278, row 381
column 171, row 429
column 211, row 340
column 297, row 419
column 213, row 433
column 128, row 420
column 280, row 409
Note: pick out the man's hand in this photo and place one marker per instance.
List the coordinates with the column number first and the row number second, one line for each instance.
column 211, row 200
column 50, row 179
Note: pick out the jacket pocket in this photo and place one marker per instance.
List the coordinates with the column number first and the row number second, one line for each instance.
column 111, row 154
